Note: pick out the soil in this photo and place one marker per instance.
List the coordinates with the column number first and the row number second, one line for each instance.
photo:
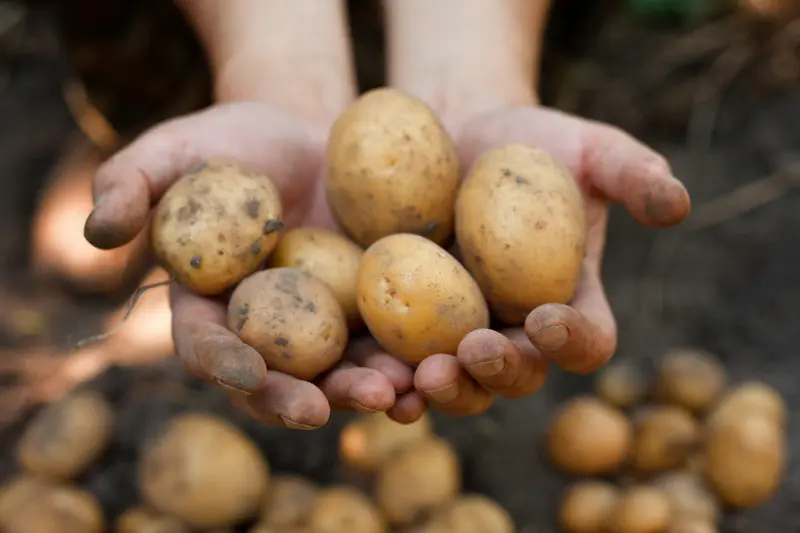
column 728, row 282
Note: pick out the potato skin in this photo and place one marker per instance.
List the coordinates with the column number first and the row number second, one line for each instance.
column 55, row 508
column 391, row 168
column 416, row 299
column 343, row 509
column 292, row 319
column 216, row 225
column 521, row 230
column 329, row 257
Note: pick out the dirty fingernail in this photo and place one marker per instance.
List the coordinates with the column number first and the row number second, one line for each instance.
column 551, row 338
column 487, row 369
column 361, row 408
column 221, row 382
column 443, row 394
column 291, row 424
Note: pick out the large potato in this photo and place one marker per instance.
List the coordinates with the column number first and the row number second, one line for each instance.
column 521, row 229
column 416, row 299
column 391, row 168
column 327, row 256
column 204, row 471
column 216, row 225
column 291, row 318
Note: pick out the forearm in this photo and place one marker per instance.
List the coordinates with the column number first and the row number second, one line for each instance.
column 294, row 54
column 466, row 54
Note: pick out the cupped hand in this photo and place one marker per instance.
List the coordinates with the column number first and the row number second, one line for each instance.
column 290, row 151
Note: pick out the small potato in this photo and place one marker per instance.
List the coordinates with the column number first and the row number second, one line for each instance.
column 55, row 508
column 521, row 229
column 216, row 225
column 665, row 439
column 418, row 482
column 586, row 506
column 750, row 396
column 292, row 319
column 416, row 299
column 289, row 502
column 327, row 256
column 369, row 441
column 204, row 471
column 690, row 378
column 472, row 513
column 391, row 168
column 688, row 495
column 345, row 510
column 66, row 436
column 640, row 510
column 745, row 459
column 621, row 385
column 589, row 437
column 142, row 520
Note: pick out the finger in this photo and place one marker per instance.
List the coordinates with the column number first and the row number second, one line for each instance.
column 501, row 365
column 349, row 387
column 448, row 388
column 407, row 408
column 369, row 354
column 289, row 402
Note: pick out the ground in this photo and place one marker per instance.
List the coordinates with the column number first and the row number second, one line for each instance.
column 727, row 282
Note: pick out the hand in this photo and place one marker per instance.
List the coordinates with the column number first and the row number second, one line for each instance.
column 290, row 151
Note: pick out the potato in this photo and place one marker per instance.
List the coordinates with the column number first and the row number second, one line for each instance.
column 521, row 230
column 688, row 495
column 216, row 225
column 472, row 513
column 665, row 439
column 204, row 471
column 419, row 481
column 589, row 437
column 690, row 378
column 345, row 510
column 55, row 508
column 292, row 319
column 750, row 396
column 690, row 525
column 327, row 256
column 416, row 299
column 391, row 168
column 369, row 441
column 16, row 492
column 639, row 510
column 621, row 385
column 745, row 459
column 142, row 520
column 265, row 528
column 66, row 436
column 289, row 502
column 586, row 506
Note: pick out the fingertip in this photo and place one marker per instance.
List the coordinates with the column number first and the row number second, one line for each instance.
column 119, row 215
column 408, row 408
column 666, row 204
column 290, row 402
column 232, row 363
column 483, row 349
column 548, row 326
column 436, row 377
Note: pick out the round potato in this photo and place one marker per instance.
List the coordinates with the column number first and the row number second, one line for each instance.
column 471, row 513
column 639, row 510
column 521, row 230
column 665, row 439
column 368, row 442
column 688, row 495
column 66, row 436
column 621, row 385
column 292, row 319
column 204, row 471
column 327, row 256
column 586, row 506
column 690, row 378
column 345, row 510
column 141, row 520
column 391, row 168
column 16, row 492
column 752, row 396
column 55, row 508
column 416, row 299
column 216, row 225
column 289, row 502
column 589, row 437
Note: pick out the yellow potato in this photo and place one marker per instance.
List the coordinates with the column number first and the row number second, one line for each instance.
column 345, row 510
column 621, row 385
column 665, row 439
column 16, row 492
column 691, row 378
column 691, row 525
column 142, row 520
column 55, row 508
column 391, row 168
column 471, row 513
column 586, row 506
column 369, row 441
column 688, row 495
column 416, row 299
column 521, row 229
column 66, row 436
column 289, row 502
column 292, row 319
column 216, row 225
column 752, row 396
column 327, row 256
column 204, row 471
column 639, row 510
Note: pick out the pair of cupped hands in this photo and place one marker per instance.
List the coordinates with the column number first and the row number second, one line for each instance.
column 609, row 165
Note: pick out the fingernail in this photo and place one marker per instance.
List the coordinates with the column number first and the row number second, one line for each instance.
column 231, row 387
column 551, row 338
column 444, row 394
column 487, row 369
column 291, row 424
column 362, row 409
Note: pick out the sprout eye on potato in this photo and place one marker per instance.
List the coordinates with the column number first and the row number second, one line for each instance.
column 216, row 225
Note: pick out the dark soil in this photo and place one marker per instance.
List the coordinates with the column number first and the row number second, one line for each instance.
column 732, row 288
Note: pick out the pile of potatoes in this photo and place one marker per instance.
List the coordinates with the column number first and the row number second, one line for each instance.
column 668, row 456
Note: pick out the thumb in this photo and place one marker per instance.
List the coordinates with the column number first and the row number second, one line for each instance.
column 133, row 180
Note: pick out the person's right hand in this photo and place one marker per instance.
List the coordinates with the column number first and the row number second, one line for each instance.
column 290, row 151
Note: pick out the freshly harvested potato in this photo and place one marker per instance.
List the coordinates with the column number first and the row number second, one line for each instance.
column 416, row 299
column 621, row 384
column 344, row 509
column 142, row 520
column 327, row 256
column 589, row 437
column 16, row 492
column 750, row 396
column 292, row 319
column 521, row 230
column 639, row 510
column 586, row 506
column 471, row 513
column 66, row 436
column 745, row 459
column 216, row 225
column 688, row 495
column 391, row 168
column 55, row 508
column 369, row 441
column 691, row 378
column 289, row 502
column 664, row 439
column 421, row 480
column 204, row 471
